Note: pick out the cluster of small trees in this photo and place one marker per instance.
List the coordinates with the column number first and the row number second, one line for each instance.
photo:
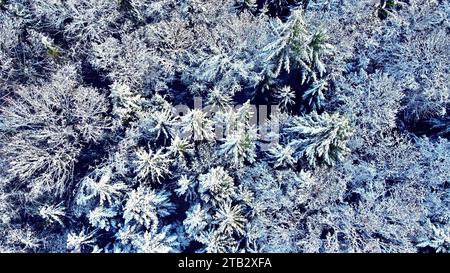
column 96, row 157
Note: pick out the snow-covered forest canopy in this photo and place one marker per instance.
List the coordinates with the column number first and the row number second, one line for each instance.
column 224, row 126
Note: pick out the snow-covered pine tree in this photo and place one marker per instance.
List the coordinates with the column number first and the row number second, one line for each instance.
column 319, row 137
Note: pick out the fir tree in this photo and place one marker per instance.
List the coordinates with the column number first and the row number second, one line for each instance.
column 320, row 137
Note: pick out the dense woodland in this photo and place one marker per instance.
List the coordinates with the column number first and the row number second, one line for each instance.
column 353, row 155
